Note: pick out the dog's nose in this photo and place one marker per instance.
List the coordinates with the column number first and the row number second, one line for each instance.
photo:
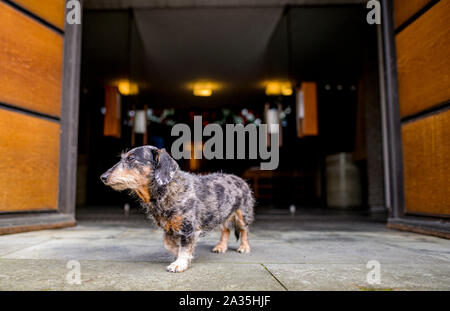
column 104, row 177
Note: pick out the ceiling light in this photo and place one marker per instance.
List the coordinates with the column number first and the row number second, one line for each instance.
column 203, row 89
column 128, row 88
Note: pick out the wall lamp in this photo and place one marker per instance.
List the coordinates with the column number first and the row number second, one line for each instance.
column 279, row 88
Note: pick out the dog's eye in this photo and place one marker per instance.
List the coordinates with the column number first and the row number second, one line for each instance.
column 155, row 155
column 130, row 159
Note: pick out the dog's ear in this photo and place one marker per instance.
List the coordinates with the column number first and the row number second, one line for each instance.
column 165, row 168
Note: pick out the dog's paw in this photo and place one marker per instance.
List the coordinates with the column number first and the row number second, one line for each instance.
column 219, row 248
column 178, row 266
column 244, row 248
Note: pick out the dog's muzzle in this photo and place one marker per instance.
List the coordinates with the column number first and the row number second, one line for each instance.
column 104, row 177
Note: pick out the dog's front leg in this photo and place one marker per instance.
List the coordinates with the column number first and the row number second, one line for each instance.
column 183, row 261
column 170, row 244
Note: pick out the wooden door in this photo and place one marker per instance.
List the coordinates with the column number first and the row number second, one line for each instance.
column 38, row 114
column 423, row 65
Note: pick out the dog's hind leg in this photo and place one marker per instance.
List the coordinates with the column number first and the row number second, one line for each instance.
column 244, row 247
column 222, row 246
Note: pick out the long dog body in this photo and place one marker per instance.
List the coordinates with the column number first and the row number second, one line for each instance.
column 184, row 205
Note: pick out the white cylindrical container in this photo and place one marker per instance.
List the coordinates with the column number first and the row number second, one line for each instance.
column 343, row 183
column 273, row 121
column 140, row 122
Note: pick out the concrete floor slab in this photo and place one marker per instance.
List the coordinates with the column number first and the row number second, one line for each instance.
column 97, row 249
column 354, row 276
column 301, row 252
column 45, row 275
column 17, row 242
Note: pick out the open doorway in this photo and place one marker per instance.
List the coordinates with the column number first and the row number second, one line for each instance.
column 317, row 74
column 150, row 61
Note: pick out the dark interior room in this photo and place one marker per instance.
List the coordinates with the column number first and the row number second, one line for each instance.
column 160, row 55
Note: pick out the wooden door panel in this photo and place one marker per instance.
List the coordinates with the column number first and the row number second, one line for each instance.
column 426, row 165
column 405, row 9
column 31, row 57
column 52, row 11
column 29, row 152
column 423, row 61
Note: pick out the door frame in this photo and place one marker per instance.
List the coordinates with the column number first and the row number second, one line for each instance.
column 395, row 196
column 64, row 215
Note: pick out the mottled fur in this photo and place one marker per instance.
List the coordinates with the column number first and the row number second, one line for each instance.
column 186, row 206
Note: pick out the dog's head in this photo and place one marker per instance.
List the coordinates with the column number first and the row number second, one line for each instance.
column 141, row 168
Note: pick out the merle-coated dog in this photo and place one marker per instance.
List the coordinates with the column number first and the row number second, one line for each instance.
column 184, row 205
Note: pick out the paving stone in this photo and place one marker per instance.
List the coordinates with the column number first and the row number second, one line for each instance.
column 354, row 276
column 43, row 275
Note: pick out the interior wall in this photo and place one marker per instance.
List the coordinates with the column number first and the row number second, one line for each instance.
column 369, row 95
column 105, row 47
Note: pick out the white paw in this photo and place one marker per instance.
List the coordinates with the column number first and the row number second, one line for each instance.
column 219, row 249
column 244, row 248
column 178, row 265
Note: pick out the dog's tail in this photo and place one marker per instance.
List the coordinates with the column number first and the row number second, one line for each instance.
column 237, row 231
column 238, row 223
